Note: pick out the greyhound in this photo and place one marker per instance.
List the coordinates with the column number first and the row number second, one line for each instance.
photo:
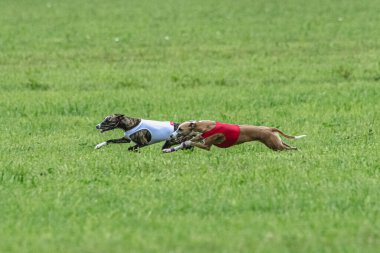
column 207, row 133
column 140, row 131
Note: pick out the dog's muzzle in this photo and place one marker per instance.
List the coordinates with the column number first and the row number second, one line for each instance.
column 174, row 135
column 102, row 130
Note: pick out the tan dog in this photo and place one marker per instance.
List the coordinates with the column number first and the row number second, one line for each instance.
column 226, row 135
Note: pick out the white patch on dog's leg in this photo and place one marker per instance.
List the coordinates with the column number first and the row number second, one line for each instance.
column 186, row 144
column 101, row 145
column 176, row 148
column 169, row 150
column 299, row 136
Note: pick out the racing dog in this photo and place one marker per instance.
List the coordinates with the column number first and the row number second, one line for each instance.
column 140, row 131
column 208, row 133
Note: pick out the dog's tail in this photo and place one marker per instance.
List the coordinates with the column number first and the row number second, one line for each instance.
column 288, row 136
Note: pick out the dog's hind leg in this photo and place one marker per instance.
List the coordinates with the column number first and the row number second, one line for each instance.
column 285, row 145
column 274, row 142
column 288, row 147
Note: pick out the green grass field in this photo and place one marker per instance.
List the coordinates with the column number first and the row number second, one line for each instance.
column 307, row 67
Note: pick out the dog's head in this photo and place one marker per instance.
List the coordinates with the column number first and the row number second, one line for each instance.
column 110, row 122
column 184, row 129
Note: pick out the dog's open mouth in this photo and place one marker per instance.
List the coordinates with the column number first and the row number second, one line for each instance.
column 105, row 130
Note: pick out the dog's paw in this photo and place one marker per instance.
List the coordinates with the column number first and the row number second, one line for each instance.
column 168, row 150
column 100, row 145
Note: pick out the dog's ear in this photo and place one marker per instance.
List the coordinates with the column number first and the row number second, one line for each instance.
column 192, row 125
column 118, row 115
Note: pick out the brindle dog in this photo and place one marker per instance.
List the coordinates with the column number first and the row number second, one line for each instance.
column 141, row 138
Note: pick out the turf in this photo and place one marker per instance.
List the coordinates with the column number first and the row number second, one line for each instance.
column 306, row 67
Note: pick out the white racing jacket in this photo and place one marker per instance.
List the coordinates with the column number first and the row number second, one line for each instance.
column 159, row 130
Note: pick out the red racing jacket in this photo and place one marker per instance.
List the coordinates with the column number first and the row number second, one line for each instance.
column 231, row 133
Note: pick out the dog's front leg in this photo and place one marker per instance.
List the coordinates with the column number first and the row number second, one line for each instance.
column 105, row 143
column 187, row 144
column 205, row 144
column 183, row 145
column 141, row 138
column 135, row 148
column 201, row 145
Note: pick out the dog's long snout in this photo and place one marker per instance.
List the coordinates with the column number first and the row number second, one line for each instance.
column 98, row 126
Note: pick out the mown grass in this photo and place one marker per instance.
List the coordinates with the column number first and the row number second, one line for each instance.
column 307, row 68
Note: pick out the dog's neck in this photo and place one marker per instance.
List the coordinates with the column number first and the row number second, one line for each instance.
column 127, row 123
column 204, row 126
